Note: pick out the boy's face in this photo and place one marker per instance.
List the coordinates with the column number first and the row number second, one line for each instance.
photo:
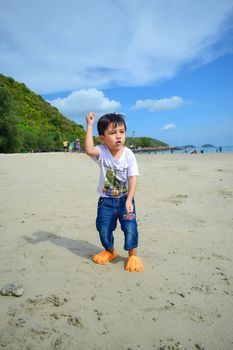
column 114, row 138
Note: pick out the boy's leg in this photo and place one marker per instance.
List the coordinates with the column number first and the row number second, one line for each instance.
column 133, row 252
column 129, row 227
column 105, row 224
column 133, row 263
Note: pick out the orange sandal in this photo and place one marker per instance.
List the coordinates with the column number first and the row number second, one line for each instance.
column 134, row 264
column 104, row 257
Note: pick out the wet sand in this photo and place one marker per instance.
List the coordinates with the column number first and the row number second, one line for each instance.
column 182, row 300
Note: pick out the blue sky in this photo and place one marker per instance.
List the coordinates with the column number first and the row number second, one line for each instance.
column 167, row 65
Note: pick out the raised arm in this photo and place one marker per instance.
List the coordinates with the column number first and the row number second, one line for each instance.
column 89, row 144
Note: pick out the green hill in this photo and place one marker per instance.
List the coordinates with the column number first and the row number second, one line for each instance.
column 29, row 123
column 207, row 145
column 144, row 142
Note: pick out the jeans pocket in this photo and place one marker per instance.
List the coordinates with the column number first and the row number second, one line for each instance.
column 129, row 216
column 101, row 202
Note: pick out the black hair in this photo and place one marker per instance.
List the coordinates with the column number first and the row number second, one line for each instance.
column 110, row 118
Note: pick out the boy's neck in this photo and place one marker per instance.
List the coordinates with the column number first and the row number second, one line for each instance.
column 116, row 153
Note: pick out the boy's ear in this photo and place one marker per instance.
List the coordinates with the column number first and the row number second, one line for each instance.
column 101, row 138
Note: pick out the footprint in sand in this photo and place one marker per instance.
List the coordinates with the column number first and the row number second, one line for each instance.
column 176, row 199
column 226, row 194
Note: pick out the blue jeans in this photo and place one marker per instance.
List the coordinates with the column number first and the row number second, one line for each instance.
column 109, row 210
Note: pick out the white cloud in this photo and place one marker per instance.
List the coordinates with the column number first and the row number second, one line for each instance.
column 159, row 105
column 169, row 127
column 101, row 44
column 78, row 103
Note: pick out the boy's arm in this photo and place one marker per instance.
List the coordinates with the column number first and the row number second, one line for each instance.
column 132, row 184
column 89, row 144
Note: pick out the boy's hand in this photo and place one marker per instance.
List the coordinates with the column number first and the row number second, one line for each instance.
column 90, row 118
column 129, row 206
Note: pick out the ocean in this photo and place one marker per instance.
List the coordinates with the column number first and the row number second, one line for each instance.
column 219, row 149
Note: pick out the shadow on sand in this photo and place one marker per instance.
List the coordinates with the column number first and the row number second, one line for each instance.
column 79, row 247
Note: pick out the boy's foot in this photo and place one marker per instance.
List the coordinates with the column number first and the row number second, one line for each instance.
column 134, row 264
column 104, row 257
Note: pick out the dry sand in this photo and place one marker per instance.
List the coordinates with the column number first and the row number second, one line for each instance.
column 182, row 300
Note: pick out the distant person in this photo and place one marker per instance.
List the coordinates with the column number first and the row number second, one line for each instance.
column 77, row 145
column 71, row 147
column 117, row 186
column 65, row 146
column 220, row 149
column 194, row 151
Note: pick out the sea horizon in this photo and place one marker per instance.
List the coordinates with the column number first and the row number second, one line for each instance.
column 198, row 149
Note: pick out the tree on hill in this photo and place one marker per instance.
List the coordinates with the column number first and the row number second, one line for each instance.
column 207, row 145
column 144, row 142
column 8, row 122
column 29, row 123
column 34, row 123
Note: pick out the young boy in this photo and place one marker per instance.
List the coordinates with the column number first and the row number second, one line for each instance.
column 117, row 186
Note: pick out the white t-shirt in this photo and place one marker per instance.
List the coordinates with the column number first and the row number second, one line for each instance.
column 113, row 181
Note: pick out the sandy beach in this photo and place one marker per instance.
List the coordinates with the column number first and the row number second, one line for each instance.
column 182, row 300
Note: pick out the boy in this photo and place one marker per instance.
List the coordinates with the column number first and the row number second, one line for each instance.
column 117, row 186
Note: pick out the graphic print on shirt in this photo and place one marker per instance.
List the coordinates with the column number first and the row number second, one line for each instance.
column 112, row 185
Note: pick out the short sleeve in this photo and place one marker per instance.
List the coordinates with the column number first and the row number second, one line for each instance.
column 133, row 166
column 98, row 159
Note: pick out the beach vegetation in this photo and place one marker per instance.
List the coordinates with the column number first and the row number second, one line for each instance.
column 144, row 142
column 9, row 131
column 207, row 145
column 29, row 123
